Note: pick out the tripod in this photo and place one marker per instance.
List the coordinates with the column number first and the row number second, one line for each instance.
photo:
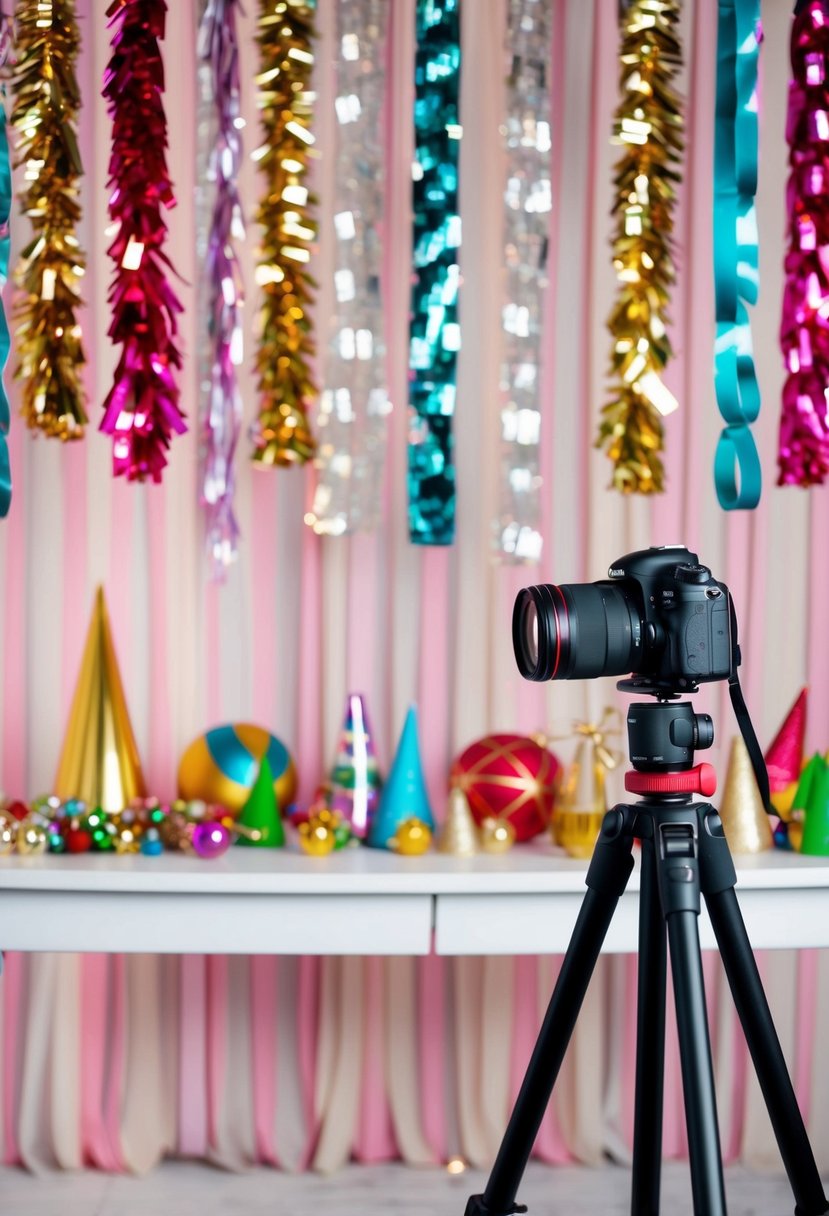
column 684, row 854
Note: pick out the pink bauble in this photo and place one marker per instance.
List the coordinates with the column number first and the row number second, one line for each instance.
column 211, row 839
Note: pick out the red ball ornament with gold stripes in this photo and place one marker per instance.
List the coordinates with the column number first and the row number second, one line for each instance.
column 511, row 777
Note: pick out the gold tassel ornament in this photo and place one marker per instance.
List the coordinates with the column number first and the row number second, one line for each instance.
column 282, row 433
column 51, row 266
column 649, row 127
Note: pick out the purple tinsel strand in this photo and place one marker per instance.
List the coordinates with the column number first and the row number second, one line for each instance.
column 221, row 410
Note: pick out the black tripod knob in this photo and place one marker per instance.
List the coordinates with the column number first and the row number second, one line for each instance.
column 696, row 730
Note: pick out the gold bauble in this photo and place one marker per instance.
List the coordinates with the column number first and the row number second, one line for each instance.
column 127, row 838
column 497, row 836
column 32, row 839
column 317, row 838
column 8, row 832
column 795, row 825
column 412, row 838
column 577, row 831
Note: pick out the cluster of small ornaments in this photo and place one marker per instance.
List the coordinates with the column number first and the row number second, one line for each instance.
column 53, row 825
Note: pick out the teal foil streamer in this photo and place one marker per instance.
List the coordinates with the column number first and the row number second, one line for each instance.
column 5, row 248
column 434, row 330
column 737, row 473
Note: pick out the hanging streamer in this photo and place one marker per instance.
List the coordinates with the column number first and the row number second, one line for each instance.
column 528, row 201
column 221, row 285
column 803, row 452
column 434, row 330
column 141, row 411
column 282, row 433
column 737, row 474
column 6, row 42
column 649, row 128
column 44, row 116
column 354, row 405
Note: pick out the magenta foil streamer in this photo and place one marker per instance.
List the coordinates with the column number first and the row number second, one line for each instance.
column 141, row 411
column 803, row 453
column 221, row 407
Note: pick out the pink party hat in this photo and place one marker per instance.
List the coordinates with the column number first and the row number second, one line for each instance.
column 784, row 757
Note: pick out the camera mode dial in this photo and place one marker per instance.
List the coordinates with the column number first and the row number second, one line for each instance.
column 692, row 574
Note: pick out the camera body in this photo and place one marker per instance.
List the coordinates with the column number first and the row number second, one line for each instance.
column 660, row 616
column 685, row 613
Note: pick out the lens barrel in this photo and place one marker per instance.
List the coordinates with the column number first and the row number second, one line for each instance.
column 575, row 631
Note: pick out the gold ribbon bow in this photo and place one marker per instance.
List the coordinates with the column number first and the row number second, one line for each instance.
column 610, row 723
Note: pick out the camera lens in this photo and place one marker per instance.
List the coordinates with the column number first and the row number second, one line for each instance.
column 575, row 631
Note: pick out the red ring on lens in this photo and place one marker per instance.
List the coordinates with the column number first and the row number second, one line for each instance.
column 559, row 629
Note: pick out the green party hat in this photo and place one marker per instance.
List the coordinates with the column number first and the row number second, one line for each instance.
column 260, row 814
column 816, row 822
column 811, row 772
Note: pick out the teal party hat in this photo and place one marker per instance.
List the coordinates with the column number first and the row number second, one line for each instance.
column 404, row 795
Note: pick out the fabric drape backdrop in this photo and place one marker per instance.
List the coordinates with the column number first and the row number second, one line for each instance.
column 115, row 1061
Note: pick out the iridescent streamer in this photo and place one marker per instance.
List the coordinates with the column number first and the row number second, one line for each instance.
column 286, row 214
column 141, row 411
column 354, row 405
column 434, row 329
column 737, row 474
column 6, row 43
column 527, row 199
column 222, row 290
column 648, row 127
column 803, row 453
column 48, row 337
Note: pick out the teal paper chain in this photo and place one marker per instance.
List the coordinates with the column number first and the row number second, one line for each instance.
column 434, row 336
column 5, row 339
column 737, row 473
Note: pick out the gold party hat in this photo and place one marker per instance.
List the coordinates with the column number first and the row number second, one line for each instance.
column 744, row 817
column 459, row 835
column 99, row 761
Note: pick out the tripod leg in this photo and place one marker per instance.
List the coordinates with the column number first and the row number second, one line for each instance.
column 766, row 1052
column 679, row 888
column 650, row 1043
column 606, row 880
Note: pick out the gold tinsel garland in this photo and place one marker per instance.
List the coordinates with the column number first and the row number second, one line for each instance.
column 46, row 102
column 282, row 434
column 649, row 127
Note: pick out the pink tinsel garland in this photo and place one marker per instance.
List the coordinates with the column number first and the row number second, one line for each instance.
column 141, row 410
column 803, row 455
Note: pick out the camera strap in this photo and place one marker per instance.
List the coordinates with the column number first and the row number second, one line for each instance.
column 750, row 739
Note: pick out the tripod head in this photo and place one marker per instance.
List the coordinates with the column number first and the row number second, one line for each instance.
column 661, row 740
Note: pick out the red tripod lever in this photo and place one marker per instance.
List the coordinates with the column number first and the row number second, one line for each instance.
column 699, row 780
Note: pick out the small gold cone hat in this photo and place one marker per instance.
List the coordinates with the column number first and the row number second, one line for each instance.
column 744, row 818
column 99, row 761
column 459, row 835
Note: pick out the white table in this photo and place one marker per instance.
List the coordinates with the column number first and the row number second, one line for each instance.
column 361, row 901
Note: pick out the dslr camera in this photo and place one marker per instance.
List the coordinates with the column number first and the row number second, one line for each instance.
column 659, row 615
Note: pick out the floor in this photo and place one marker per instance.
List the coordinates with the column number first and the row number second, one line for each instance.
column 185, row 1189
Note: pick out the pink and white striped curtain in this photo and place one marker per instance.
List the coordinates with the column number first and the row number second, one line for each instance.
column 117, row 1061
